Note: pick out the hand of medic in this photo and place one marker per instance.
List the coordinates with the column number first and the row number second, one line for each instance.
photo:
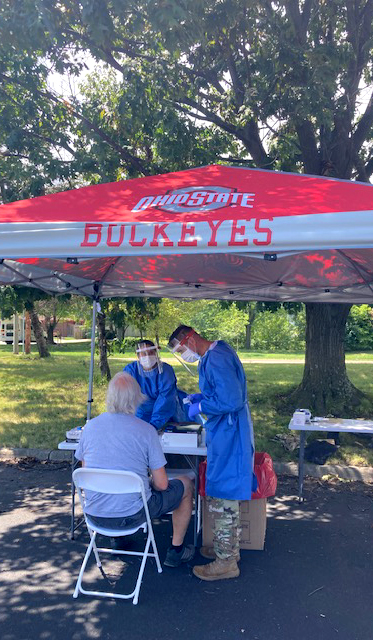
column 193, row 410
column 195, row 397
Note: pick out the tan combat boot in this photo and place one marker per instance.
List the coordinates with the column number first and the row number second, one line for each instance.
column 209, row 553
column 217, row 570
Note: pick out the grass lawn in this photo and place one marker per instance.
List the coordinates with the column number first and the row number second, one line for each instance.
column 41, row 399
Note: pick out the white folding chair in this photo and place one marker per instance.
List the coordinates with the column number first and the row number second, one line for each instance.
column 113, row 482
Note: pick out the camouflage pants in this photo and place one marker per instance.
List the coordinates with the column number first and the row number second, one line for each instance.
column 226, row 518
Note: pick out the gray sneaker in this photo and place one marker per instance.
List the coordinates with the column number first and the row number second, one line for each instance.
column 174, row 559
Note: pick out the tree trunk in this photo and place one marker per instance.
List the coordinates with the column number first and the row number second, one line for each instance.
column 104, row 364
column 38, row 331
column 251, row 310
column 50, row 330
column 51, row 322
column 27, row 333
column 248, row 336
column 15, row 334
column 326, row 388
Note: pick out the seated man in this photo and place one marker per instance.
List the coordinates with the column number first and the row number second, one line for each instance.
column 118, row 440
column 157, row 381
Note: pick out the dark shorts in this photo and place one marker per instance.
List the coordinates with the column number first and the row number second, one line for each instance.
column 159, row 503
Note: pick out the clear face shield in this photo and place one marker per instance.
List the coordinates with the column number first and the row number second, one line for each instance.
column 185, row 350
column 148, row 359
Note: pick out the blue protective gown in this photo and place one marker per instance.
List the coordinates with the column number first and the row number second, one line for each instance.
column 163, row 402
column 229, row 432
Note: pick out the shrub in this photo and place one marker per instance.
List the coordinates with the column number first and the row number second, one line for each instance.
column 278, row 331
column 359, row 328
column 127, row 345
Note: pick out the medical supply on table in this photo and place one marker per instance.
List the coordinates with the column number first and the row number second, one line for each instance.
column 74, row 434
column 182, row 435
column 301, row 417
column 180, row 439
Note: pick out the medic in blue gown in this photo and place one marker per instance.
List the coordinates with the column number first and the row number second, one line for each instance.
column 223, row 399
column 157, row 381
column 229, row 441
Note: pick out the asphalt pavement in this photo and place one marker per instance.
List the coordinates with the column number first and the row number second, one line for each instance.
column 313, row 581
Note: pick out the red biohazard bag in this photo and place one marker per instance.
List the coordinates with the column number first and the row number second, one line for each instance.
column 265, row 475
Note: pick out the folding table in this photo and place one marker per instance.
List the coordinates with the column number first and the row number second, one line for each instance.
column 192, row 455
column 326, row 425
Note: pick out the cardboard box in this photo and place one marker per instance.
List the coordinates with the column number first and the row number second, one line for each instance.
column 253, row 519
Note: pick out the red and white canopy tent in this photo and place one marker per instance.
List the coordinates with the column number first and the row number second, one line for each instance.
column 212, row 232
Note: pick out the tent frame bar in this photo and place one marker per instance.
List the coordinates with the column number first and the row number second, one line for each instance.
column 92, row 360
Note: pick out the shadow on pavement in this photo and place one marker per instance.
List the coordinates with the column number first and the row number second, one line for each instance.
column 314, row 581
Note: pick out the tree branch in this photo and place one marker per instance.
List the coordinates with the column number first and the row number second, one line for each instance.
column 307, row 141
column 236, row 160
column 8, row 154
column 295, row 17
column 248, row 134
column 362, row 175
column 306, row 15
column 369, row 167
column 135, row 162
column 107, row 55
column 191, row 114
column 210, row 116
column 134, row 54
column 363, row 127
column 64, row 145
column 359, row 33
column 208, row 75
column 279, row 135
column 238, row 87
column 341, row 154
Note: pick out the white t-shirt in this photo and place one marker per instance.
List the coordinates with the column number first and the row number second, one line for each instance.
column 123, row 442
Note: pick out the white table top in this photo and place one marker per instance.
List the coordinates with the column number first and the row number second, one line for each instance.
column 335, row 425
column 187, row 451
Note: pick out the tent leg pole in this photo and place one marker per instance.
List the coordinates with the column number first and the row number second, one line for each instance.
column 92, row 362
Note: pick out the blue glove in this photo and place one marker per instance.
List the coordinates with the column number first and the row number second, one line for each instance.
column 195, row 397
column 193, row 410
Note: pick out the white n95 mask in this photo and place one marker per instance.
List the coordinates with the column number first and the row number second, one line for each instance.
column 148, row 362
column 189, row 356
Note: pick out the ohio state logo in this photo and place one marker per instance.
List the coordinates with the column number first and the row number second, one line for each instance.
column 196, row 199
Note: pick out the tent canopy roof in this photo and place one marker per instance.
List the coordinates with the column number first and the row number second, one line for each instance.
column 212, row 232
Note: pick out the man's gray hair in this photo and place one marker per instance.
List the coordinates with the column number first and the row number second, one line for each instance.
column 123, row 394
